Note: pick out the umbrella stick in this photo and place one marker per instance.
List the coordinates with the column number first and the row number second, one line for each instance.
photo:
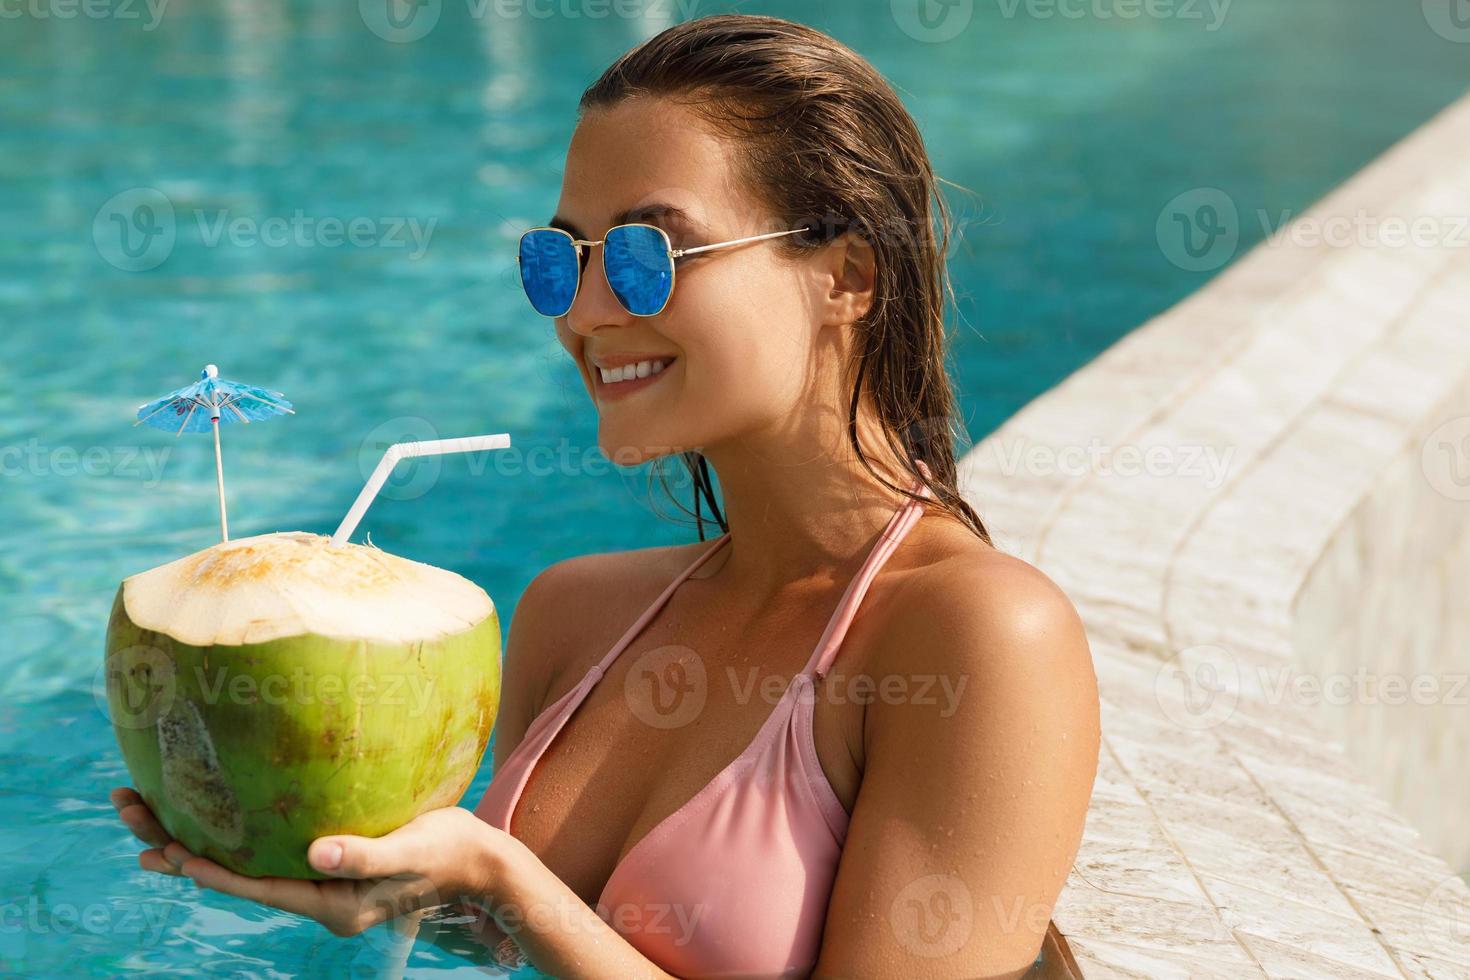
column 219, row 475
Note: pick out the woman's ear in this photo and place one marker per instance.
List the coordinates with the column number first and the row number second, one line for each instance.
column 851, row 265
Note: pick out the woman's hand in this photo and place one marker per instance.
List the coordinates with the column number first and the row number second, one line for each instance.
column 439, row 857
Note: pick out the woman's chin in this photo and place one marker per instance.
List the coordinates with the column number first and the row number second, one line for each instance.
column 626, row 452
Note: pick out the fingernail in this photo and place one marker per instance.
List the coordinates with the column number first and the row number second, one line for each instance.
column 330, row 857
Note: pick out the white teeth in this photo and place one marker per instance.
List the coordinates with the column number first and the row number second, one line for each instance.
column 630, row 371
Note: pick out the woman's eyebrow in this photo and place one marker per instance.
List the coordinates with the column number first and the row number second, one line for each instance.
column 646, row 213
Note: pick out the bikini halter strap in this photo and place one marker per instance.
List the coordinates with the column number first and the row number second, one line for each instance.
column 898, row 526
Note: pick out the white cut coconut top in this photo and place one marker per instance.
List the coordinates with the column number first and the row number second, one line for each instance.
column 252, row 590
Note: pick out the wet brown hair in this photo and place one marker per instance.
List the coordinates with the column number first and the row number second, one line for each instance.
column 827, row 145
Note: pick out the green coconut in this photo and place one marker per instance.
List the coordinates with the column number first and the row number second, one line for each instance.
column 272, row 690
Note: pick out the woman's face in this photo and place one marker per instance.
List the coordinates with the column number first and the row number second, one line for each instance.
column 739, row 333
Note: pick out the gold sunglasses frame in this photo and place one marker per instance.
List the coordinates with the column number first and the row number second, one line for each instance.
column 673, row 253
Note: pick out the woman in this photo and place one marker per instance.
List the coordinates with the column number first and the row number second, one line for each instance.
column 849, row 737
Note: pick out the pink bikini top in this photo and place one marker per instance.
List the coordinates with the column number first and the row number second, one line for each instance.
column 736, row 882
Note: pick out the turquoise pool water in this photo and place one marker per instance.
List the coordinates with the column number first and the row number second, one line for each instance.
column 278, row 118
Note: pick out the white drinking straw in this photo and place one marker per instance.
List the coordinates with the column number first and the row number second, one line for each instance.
column 408, row 450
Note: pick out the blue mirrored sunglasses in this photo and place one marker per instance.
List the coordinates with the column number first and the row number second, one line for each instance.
column 638, row 260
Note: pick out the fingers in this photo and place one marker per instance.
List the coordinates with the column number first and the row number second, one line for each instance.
column 140, row 820
column 336, row 905
column 138, row 817
column 346, row 856
column 168, row 860
column 434, row 844
column 153, row 860
column 287, row 894
column 176, row 854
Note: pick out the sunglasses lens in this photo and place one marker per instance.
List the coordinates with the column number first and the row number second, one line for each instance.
column 639, row 269
column 549, row 270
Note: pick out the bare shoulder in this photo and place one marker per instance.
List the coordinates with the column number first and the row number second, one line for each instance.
column 992, row 615
column 980, row 748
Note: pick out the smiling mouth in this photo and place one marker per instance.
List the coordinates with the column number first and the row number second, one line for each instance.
column 632, row 372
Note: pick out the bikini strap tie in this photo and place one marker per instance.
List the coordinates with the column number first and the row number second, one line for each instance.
column 899, row 525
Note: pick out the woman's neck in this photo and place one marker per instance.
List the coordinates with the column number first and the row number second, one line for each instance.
column 792, row 520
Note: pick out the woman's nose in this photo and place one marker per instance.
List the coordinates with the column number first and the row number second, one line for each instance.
column 595, row 305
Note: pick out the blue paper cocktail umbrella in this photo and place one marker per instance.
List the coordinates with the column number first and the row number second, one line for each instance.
column 203, row 405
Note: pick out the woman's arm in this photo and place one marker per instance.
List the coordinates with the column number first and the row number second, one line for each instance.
column 979, row 766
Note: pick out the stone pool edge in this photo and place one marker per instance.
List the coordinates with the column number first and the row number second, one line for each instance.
column 1231, row 832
